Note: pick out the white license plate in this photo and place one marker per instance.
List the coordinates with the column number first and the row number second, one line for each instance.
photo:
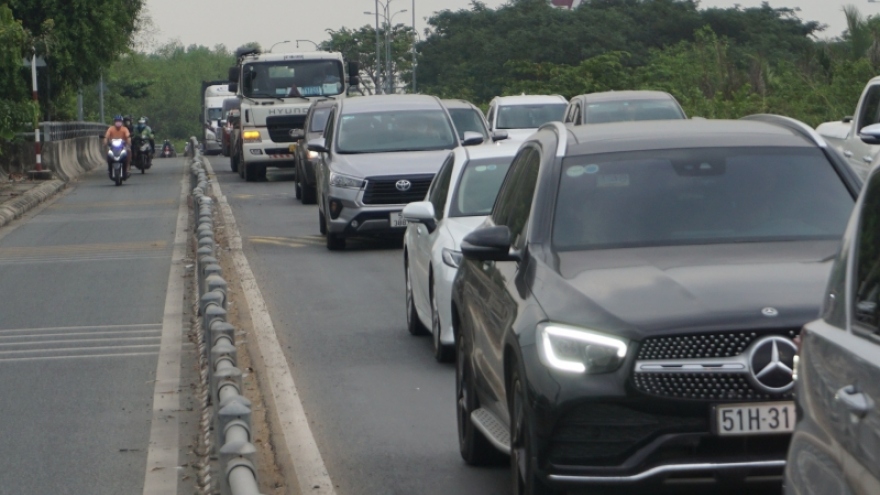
column 397, row 219
column 762, row 418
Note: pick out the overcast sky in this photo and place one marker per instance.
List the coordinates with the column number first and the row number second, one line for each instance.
column 235, row 22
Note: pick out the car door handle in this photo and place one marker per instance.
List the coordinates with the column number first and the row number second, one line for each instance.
column 848, row 154
column 867, row 159
column 856, row 402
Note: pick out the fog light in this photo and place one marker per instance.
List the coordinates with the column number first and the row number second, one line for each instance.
column 335, row 208
column 354, row 224
column 256, row 152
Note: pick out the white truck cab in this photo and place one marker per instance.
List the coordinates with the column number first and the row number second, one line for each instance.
column 276, row 91
column 844, row 134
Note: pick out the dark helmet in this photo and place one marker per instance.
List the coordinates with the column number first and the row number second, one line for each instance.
column 117, row 118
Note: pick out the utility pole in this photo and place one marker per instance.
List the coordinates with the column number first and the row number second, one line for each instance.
column 101, row 93
column 79, row 103
column 389, row 76
column 36, row 96
column 378, row 49
column 414, row 89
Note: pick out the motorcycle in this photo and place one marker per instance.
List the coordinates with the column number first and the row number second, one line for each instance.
column 167, row 150
column 116, row 155
column 143, row 161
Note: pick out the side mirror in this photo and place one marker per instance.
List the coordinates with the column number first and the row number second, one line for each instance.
column 870, row 134
column 318, row 145
column 488, row 244
column 847, row 119
column 234, row 72
column 297, row 134
column 472, row 138
column 354, row 70
column 233, row 87
column 499, row 136
column 421, row 212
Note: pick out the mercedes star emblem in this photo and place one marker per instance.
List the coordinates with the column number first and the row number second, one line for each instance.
column 771, row 364
column 770, row 312
column 403, row 185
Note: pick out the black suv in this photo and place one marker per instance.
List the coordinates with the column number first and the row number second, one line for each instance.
column 626, row 314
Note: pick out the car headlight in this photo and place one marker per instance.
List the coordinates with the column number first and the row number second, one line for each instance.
column 313, row 155
column 451, row 257
column 578, row 350
column 251, row 137
column 340, row 180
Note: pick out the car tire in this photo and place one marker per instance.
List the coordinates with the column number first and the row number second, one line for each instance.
column 442, row 353
column 309, row 194
column 322, row 225
column 335, row 242
column 474, row 447
column 525, row 480
column 297, row 188
column 413, row 324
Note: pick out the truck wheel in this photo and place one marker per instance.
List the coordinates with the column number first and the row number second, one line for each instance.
column 249, row 175
column 260, row 173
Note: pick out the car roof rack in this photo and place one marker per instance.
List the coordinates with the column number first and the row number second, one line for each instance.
column 791, row 124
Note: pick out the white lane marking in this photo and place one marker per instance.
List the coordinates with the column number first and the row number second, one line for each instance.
column 32, row 260
column 310, row 471
column 38, row 336
column 77, row 349
column 77, row 341
column 82, row 328
column 85, row 356
column 161, row 470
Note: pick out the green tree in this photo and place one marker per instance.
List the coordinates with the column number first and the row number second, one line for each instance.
column 359, row 45
column 16, row 109
column 86, row 37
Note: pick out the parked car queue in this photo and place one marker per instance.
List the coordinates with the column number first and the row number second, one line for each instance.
column 624, row 299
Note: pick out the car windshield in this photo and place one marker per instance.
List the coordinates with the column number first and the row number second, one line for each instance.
column 411, row 130
column 468, row 120
column 529, row 116
column 698, row 196
column 478, row 186
column 284, row 78
column 621, row 111
column 319, row 119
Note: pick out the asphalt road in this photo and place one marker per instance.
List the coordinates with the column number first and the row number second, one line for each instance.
column 82, row 297
column 382, row 410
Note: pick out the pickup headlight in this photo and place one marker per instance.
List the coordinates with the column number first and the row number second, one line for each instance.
column 251, row 137
column 340, row 180
column 578, row 350
column 451, row 258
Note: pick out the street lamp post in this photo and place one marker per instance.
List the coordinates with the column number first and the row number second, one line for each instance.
column 414, row 90
column 389, row 76
column 317, row 47
column 276, row 44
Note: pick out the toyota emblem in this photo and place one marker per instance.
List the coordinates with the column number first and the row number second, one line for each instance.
column 771, row 364
column 403, row 185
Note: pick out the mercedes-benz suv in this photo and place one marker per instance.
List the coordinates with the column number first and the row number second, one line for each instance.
column 626, row 313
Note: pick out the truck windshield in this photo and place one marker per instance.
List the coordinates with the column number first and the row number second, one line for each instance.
column 215, row 114
column 382, row 132
column 285, row 78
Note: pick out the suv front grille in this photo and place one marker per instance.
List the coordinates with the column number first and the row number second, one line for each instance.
column 606, row 434
column 708, row 352
column 707, row 345
column 280, row 127
column 384, row 191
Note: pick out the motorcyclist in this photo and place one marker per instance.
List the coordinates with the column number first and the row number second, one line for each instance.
column 143, row 132
column 118, row 131
column 168, row 144
column 127, row 122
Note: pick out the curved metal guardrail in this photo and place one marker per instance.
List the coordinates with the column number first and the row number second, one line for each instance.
column 226, row 408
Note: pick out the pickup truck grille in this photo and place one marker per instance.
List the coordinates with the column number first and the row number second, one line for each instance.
column 384, row 191
column 280, row 127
